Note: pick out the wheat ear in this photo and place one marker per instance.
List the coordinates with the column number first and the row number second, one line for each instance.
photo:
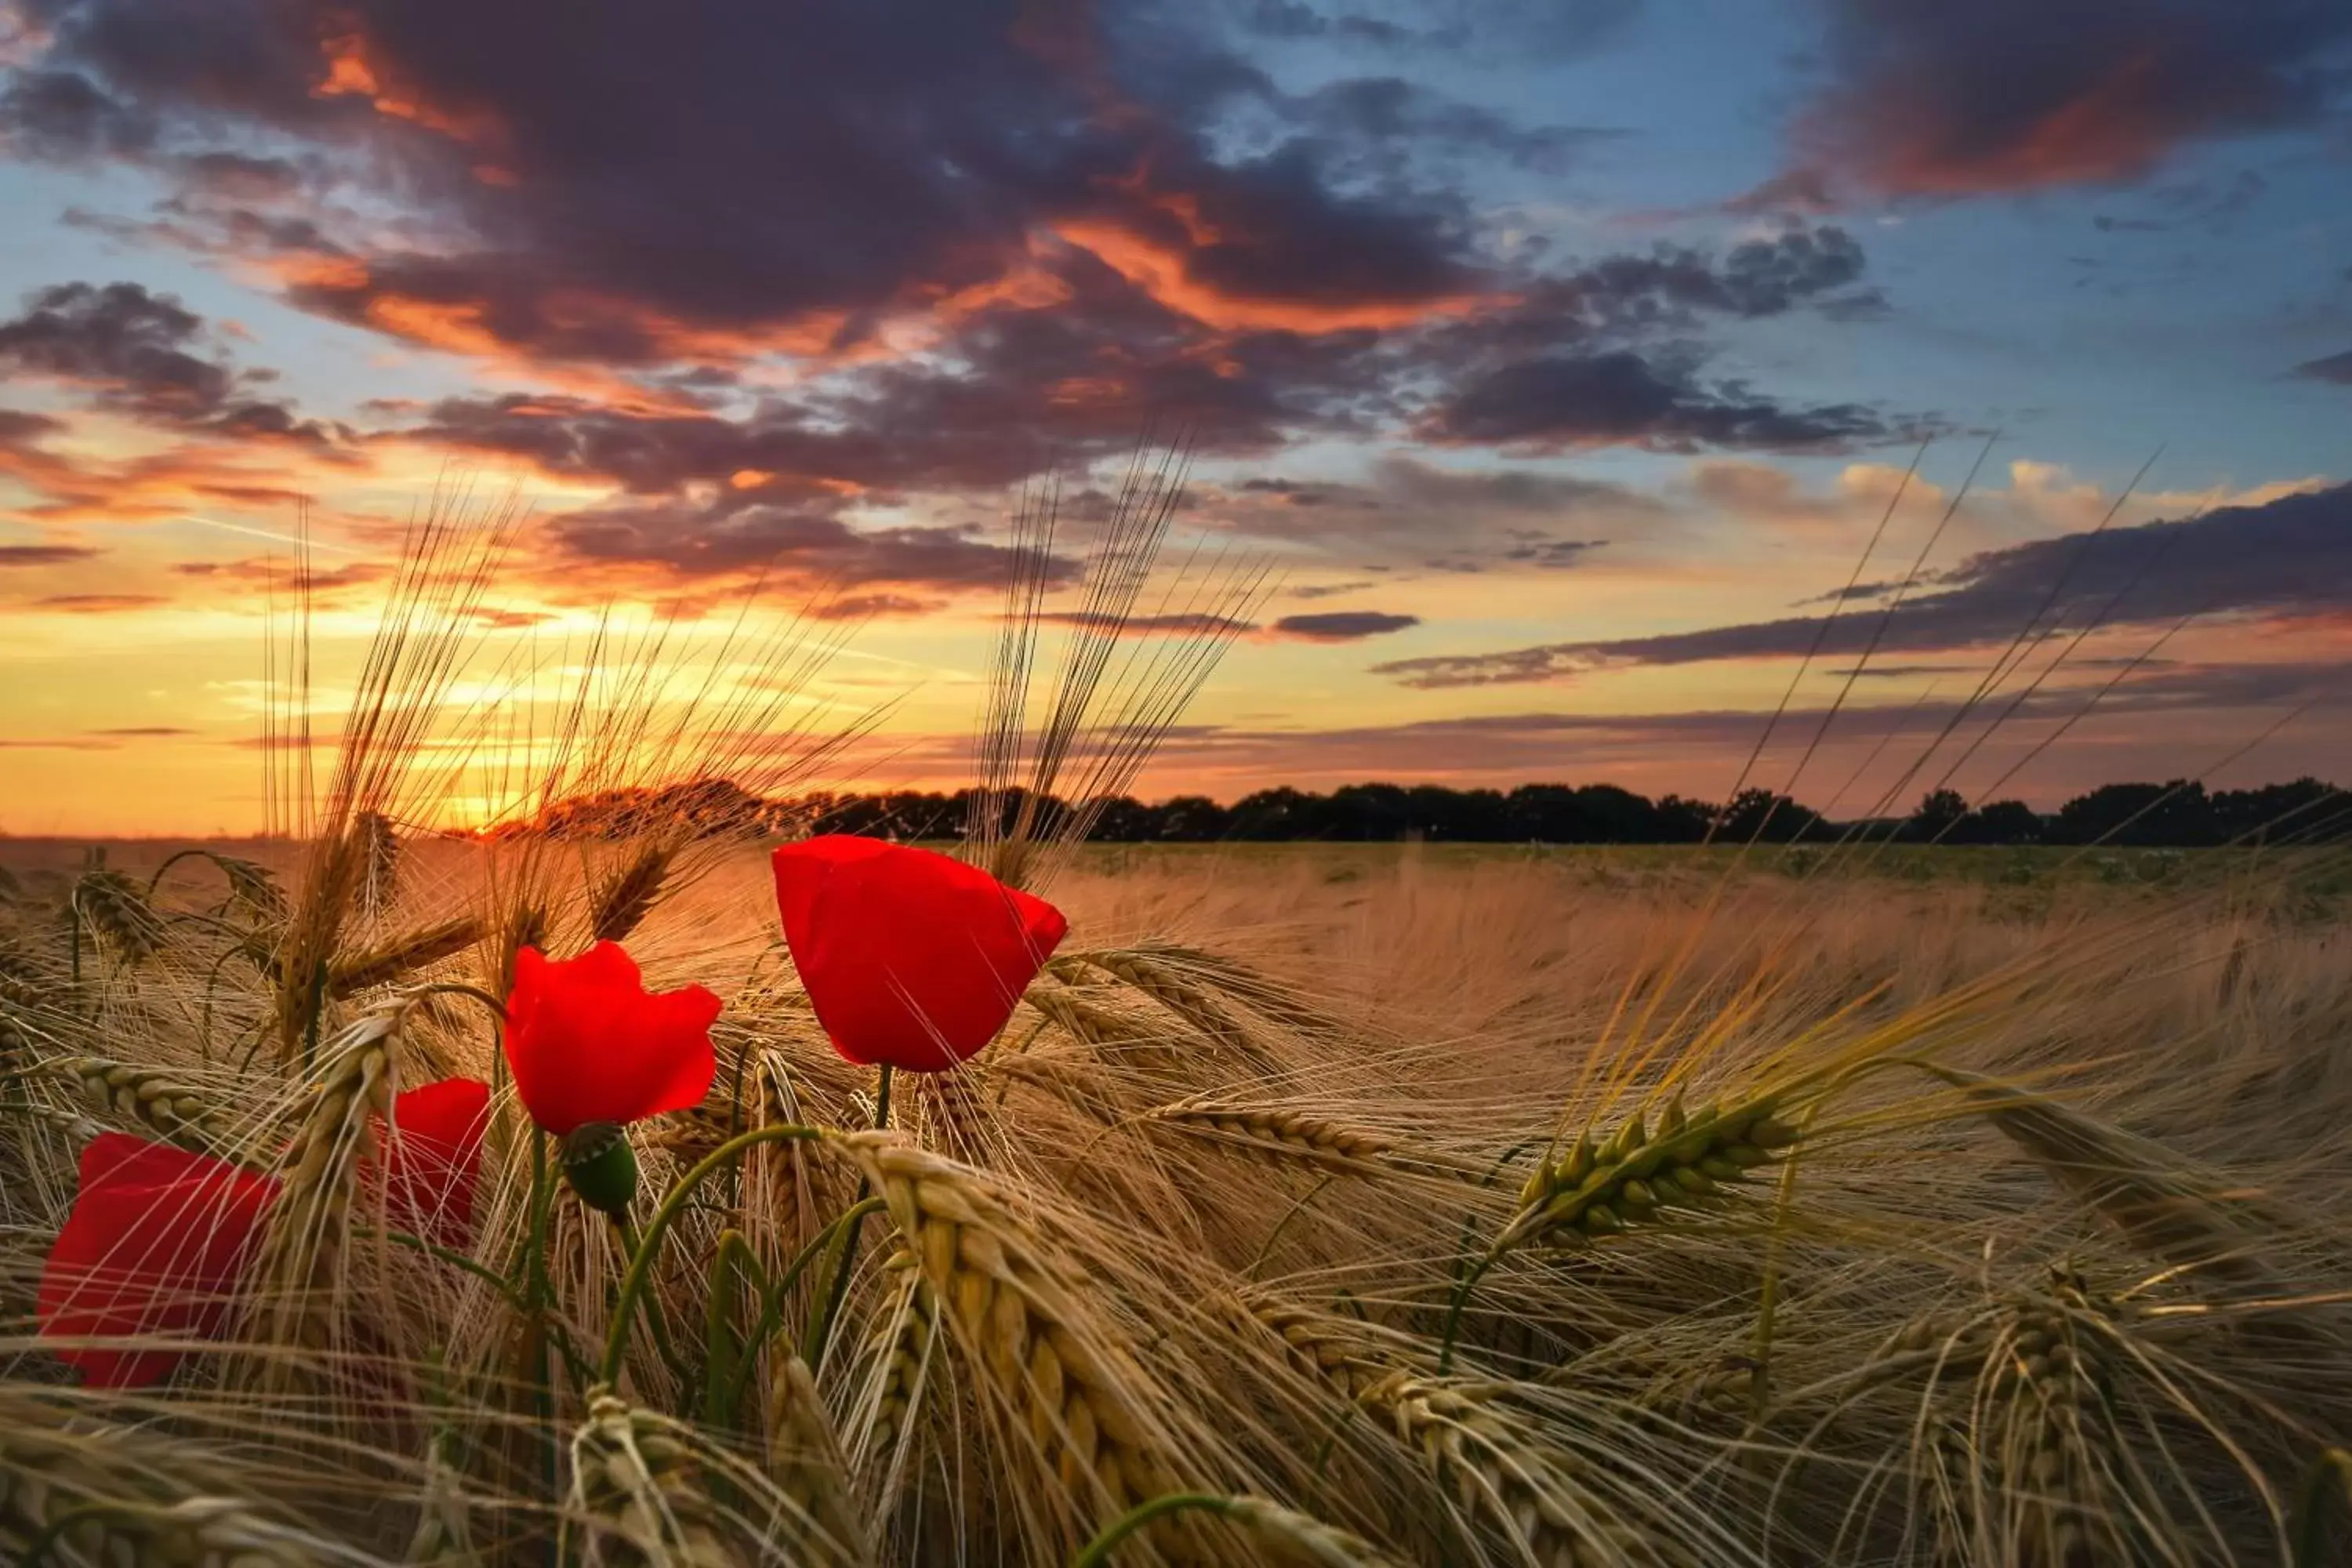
column 2140, row 1187
column 1278, row 1133
column 301, row 1261
column 402, row 955
column 623, row 901
column 1598, row 1190
column 635, row 1488
column 115, row 1495
column 1016, row 1308
column 117, row 908
column 806, row 1462
column 153, row 1099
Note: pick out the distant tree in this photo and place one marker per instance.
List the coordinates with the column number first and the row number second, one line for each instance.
column 1123, row 819
column 1939, row 811
column 1370, row 811
column 1674, row 821
column 1760, row 815
column 2002, row 822
column 2139, row 815
column 1193, row 819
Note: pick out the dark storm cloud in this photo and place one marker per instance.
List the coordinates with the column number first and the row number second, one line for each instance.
column 1623, row 398
column 134, row 351
column 1927, row 98
column 2289, row 556
column 1066, row 192
column 660, row 167
column 2337, row 368
column 1342, row 625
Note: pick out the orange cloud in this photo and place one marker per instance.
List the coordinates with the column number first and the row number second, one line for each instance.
column 1162, row 271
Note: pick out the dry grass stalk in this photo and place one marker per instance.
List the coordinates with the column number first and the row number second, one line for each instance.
column 155, row 1100
column 1278, row 1134
column 637, row 1495
column 622, row 903
column 402, row 955
column 1599, row 1190
column 1017, row 1310
column 806, row 1462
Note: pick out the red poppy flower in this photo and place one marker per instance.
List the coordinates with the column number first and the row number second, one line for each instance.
column 433, row 1156
column 155, row 1247
column 911, row 958
column 590, row 1045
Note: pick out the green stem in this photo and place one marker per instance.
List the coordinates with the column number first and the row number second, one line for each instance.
column 2311, row 1510
column 1767, row 1306
column 812, row 1345
column 1461, row 1299
column 663, row 1346
column 1097, row 1552
column 771, row 1311
column 725, row 1353
column 1462, row 1287
column 641, row 1267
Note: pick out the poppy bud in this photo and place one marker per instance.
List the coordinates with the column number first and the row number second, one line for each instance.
column 601, row 1166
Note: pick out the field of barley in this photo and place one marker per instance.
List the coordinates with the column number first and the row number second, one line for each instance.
column 375, row 1196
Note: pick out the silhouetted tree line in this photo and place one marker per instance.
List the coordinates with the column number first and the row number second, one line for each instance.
column 2179, row 815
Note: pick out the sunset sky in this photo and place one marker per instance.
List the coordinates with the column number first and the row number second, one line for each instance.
column 1558, row 357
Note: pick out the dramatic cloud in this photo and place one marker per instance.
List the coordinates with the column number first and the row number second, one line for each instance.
column 2286, row 557
column 1519, row 30
column 2337, row 368
column 1342, row 625
column 44, row 554
column 727, row 538
column 591, row 201
column 1406, row 514
column 1931, row 99
column 1032, row 231
column 1621, row 398
column 99, row 603
column 132, row 350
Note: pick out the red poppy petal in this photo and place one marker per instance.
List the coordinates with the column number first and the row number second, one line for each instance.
column 911, row 958
column 675, row 1064
column 597, row 1048
column 155, row 1245
column 432, row 1159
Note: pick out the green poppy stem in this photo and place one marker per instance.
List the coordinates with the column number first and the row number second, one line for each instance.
column 1097, row 1552
column 641, row 1267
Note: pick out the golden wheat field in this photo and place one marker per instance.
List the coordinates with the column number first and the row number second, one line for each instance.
column 2038, row 1257
column 1292, row 1205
